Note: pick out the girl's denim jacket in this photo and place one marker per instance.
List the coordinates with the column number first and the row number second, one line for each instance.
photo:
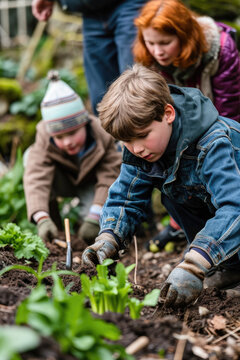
column 201, row 167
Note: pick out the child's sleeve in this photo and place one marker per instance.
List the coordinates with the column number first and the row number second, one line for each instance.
column 38, row 177
column 106, row 172
column 128, row 202
column 220, row 174
column 226, row 82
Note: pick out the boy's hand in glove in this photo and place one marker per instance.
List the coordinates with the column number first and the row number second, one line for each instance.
column 105, row 247
column 47, row 230
column 185, row 282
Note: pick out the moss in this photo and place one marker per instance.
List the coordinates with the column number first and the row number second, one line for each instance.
column 10, row 89
column 82, row 83
column 43, row 60
column 20, row 126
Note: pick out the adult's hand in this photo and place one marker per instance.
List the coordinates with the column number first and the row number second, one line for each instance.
column 105, row 247
column 185, row 282
column 42, row 9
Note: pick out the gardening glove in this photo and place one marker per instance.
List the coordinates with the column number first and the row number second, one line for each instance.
column 90, row 228
column 185, row 282
column 47, row 230
column 105, row 247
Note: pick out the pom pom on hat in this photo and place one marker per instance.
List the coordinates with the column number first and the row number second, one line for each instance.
column 62, row 109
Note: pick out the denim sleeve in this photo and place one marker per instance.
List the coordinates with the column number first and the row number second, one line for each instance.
column 220, row 173
column 128, row 201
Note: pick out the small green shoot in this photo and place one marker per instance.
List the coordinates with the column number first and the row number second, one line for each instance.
column 39, row 274
column 111, row 293
column 64, row 317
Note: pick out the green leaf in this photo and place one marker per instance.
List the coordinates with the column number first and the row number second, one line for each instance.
column 15, row 339
column 151, row 299
column 84, row 343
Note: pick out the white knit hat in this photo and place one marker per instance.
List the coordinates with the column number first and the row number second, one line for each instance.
column 62, row 109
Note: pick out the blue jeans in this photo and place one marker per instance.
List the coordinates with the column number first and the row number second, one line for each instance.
column 107, row 46
column 192, row 222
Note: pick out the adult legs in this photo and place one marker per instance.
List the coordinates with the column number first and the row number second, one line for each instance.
column 100, row 57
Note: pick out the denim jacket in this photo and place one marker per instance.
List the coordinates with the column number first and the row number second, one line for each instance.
column 200, row 167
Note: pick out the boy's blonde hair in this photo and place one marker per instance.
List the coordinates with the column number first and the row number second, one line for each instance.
column 133, row 101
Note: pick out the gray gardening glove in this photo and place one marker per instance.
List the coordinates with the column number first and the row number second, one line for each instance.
column 89, row 230
column 47, row 230
column 185, row 282
column 105, row 247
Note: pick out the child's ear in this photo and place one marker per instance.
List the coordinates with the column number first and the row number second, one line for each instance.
column 169, row 113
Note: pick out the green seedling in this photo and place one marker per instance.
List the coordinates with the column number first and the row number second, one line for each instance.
column 64, row 317
column 111, row 293
column 25, row 244
column 39, row 274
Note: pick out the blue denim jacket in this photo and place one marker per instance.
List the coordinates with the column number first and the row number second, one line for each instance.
column 201, row 166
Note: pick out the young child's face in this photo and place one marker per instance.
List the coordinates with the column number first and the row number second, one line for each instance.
column 151, row 143
column 163, row 47
column 71, row 142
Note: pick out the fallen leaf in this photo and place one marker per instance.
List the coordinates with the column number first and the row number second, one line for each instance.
column 218, row 322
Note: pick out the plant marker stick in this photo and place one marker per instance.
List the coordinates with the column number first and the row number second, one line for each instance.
column 69, row 250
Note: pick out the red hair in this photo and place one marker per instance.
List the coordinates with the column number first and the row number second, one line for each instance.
column 171, row 17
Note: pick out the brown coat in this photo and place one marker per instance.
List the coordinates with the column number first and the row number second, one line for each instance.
column 102, row 163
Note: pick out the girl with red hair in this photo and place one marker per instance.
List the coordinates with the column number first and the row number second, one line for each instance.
column 189, row 50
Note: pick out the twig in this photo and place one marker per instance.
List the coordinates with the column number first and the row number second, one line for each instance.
column 136, row 259
column 60, row 243
column 137, row 345
column 226, row 335
column 7, row 309
column 15, row 143
column 181, row 342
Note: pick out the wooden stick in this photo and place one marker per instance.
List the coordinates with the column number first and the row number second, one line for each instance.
column 226, row 335
column 60, row 243
column 136, row 259
column 137, row 345
column 67, row 230
column 182, row 342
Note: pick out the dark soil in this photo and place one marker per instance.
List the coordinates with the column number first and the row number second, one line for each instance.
column 177, row 334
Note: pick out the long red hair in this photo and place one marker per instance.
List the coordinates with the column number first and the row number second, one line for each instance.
column 171, row 17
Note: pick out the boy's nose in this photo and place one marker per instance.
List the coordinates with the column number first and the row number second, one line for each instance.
column 66, row 140
column 138, row 149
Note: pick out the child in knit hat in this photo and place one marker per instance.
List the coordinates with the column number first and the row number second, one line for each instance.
column 72, row 156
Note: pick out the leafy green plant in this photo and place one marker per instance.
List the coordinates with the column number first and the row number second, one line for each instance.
column 64, row 317
column 110, row 293
column 12, row 199
column 15, row 340
column 25, row 244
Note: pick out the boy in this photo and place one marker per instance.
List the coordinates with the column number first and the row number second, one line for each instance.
column 175, row 140
column 72, row 156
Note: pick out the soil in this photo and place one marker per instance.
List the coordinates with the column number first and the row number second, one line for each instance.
column 174, row 333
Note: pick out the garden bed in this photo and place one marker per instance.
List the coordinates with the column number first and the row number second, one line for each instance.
column 208, row 329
